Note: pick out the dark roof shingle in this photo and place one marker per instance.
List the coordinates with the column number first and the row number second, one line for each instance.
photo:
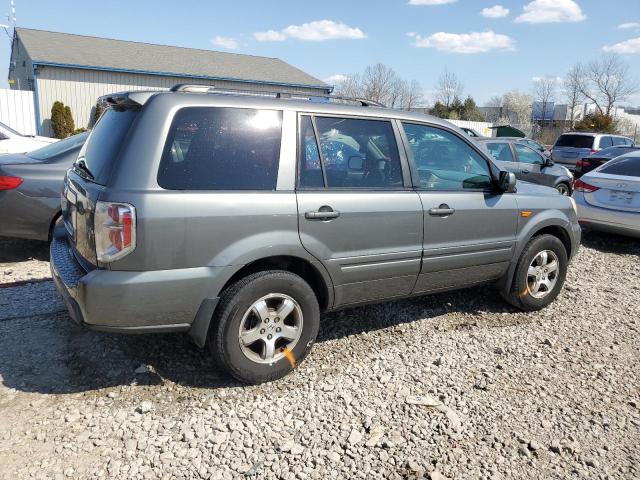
column 104, row 53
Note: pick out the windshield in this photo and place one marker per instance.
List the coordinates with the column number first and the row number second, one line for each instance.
column 58, row 148
column 575, row 141
column 9, row 129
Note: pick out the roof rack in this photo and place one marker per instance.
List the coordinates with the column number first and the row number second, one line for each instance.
column 189, row 88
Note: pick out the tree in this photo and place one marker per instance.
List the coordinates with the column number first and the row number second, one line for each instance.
column 471, row 112
column 517, row 108
column 572, row 92
column 97, row 112
column 381, row 84
column 544, row 89
column 61, row 120
column 439, row 110
column 597, row 122
column 604, row 82
column 448, row 88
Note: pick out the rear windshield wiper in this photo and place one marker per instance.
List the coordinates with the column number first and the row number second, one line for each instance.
column 81, row 165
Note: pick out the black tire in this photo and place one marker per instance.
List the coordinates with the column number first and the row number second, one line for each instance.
column 236, row 300
column 519, row 295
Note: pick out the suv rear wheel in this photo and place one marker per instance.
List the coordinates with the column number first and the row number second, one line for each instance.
column 540, row 273
column 265, row 325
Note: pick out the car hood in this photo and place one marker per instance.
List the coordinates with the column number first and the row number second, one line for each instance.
column 16, row 159
column 535, row 189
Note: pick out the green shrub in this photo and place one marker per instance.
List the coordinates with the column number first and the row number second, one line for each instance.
column 597, row 122
column 61, row 120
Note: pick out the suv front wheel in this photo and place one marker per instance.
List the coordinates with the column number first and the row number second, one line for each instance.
column 540, row 274
column 265, row 325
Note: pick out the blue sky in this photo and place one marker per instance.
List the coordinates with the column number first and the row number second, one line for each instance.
column 492, row 51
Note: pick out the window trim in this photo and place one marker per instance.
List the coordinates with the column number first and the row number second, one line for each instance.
column 414, row 169
column 167, row 132
column 404, row 167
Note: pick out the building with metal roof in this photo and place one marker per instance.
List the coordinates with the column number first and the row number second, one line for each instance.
column 77, row 69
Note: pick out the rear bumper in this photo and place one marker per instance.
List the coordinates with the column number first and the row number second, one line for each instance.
column 135, row 302
column 606, row 220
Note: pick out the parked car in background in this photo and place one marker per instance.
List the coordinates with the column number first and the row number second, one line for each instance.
column 30, row 186
column 593, row 161
column 571, row 147
column 272, row 210
column 12, row 141
column 608, row 198
column 514, row 155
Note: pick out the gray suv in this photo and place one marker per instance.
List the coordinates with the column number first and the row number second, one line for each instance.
column 574, row 146
column 239, row 218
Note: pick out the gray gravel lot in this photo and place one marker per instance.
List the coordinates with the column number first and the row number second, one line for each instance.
column 454, row 385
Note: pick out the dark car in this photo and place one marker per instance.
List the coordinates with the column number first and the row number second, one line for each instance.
column 528, row 164
column 596, row 159
column 30, row 185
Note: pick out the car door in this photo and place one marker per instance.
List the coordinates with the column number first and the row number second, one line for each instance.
column 357, row 212
column 469, row 228
column 532, row 165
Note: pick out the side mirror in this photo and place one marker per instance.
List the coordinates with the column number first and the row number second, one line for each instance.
column 507, row 182
column 549, row 162
column 355, row 163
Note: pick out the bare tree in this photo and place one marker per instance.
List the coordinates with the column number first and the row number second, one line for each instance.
column 495, row 101
column 605, row 82
column 544, row 89
column 572, row 91
column 448, row 88
column 381, row 84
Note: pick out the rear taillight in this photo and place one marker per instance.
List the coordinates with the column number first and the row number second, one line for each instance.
column 581, row 163
column 594, row 150
column 115, row 230
column 581, row 186
column 9, row 183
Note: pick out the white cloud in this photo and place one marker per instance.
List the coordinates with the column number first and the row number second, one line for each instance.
column 269, row 36
column 626, row 26
column 225, row 42
column 430, row 2
column 474, row 42
column 551, row 11
column 335, row 79
column 628, row 46
column 497, row 11
column 557, row 80
column 317, row 31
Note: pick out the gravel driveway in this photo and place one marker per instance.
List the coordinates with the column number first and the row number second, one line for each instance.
column 454, row 385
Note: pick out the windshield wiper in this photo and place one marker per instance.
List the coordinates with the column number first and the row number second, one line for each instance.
column 81, row 165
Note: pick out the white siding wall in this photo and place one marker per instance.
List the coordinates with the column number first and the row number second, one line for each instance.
column 79, row 89
column 17, row 110
column 483, row 128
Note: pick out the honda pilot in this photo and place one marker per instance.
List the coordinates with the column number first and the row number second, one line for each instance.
column 240, row 218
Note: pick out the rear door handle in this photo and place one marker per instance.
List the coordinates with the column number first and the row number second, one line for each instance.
column 323, row 213
column 443, row 210
column 525, row 171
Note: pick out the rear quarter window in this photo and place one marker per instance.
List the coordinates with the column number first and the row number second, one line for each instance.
column 627, row 166
column 214, row 148
column 575, row 141
column 104, row 142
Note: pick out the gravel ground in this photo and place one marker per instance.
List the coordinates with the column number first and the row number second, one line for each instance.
column 454, row 385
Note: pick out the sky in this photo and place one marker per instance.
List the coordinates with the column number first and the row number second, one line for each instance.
column 491, row 45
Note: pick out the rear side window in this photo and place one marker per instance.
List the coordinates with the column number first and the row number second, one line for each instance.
column 627, row 166
column 105, row 141
column 500, row 151
column 353, row 153
column 210, row 148
column 606, row 142
column 575, row 141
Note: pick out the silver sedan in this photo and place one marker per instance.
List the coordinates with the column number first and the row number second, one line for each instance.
column 608, row 198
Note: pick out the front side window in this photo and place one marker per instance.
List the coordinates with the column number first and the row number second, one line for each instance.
column 444, row 161
column 210, row 148
column 500, row 152
column 619, row 141
column 528, row 155
column 354, row 154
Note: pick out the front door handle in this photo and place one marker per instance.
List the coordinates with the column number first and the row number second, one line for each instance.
column 443, row 210
column 323, row 213
column 525, row 171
